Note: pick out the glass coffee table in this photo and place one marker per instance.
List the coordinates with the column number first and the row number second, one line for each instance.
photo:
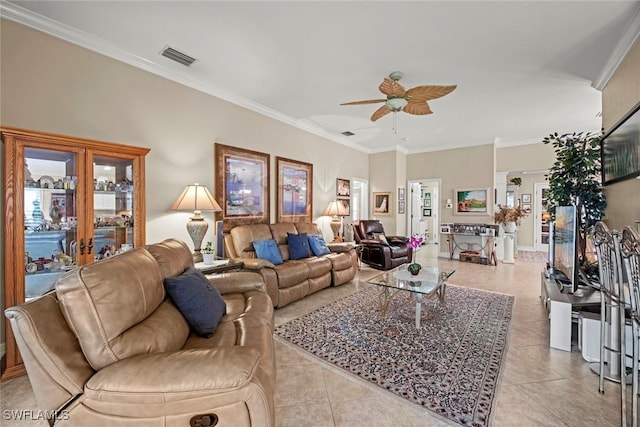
column 430, row 281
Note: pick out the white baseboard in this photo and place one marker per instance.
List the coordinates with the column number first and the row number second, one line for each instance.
column 527, row 248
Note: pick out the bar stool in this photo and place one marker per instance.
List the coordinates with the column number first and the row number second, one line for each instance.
column 630, row 254
column 612, row 313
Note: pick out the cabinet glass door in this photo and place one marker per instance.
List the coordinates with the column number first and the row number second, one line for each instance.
column 113, row 205
column 50, row 217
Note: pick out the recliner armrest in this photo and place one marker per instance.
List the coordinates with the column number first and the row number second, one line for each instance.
column 373, row 242
column 217, row 370
column 255, row 263
column 397, row 239
column 237, row 282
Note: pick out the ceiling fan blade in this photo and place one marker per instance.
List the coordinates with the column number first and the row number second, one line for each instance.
column 380, row 112
column 419, row 108
column 368, row 101
column 392, row 88
column 424, row 93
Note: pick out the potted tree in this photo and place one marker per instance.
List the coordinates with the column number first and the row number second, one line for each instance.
column 575, row 179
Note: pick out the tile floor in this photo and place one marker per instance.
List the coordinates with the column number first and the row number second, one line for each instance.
column 539, row 386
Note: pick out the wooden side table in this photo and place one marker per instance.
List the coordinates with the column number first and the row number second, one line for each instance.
column 218, row 266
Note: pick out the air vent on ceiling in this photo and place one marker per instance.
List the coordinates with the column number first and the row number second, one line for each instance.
column 176, row 55
column 348, row 133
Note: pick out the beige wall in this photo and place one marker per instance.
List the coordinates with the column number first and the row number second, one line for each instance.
column 469, row 167
column 620, row 94
column 54, row 86
column 529, row 157
column 383, row 179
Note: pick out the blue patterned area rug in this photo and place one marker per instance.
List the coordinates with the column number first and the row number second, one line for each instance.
column 449, row 366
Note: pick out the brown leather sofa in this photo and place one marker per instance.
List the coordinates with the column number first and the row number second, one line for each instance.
column 107, row 348
column 293, row 279
column 379, row 250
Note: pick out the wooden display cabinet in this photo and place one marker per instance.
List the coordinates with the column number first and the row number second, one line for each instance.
column 68, row 202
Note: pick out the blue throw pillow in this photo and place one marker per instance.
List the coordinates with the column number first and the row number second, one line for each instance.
column 298, row 246
column 267, row 249
column 197, row 299
column 318, row 245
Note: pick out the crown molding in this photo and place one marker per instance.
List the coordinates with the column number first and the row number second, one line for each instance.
column 56, row 29
column 620, row 52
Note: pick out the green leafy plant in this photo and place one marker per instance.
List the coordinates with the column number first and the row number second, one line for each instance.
column 575, row 179
column 208, row 248
column 516, row 180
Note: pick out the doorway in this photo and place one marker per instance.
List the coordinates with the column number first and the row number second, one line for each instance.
column 542, row 216
column 424, row 209
column 359, row 205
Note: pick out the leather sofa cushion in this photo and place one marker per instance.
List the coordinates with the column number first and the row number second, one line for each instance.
column 317, row 266
column 243, row 237
column 173, row 257
column 341, row 261
column 111, row 305
column 291, row 273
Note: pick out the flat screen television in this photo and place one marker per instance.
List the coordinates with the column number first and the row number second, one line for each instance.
column 620, row 149
column 565, row 246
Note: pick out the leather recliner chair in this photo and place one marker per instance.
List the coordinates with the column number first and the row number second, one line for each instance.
column 379, row 250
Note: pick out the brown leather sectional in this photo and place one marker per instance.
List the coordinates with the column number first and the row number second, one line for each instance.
column 109, row 348
column 294, row 279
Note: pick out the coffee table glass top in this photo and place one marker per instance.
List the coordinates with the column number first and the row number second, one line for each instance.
column 428, row 280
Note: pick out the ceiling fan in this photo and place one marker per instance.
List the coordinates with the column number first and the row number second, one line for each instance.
column 412, row 101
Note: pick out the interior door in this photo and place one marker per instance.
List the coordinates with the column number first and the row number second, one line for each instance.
column 542, row 217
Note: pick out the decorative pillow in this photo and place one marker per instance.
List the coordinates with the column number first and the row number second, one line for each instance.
column 298, row 246
column 318, row 245
column 197, row 299
column 381, row 237
column 268, row 249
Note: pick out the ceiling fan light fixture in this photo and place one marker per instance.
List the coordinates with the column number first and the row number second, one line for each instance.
column 396, row 104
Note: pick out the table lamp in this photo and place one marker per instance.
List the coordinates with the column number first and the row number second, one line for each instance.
column 335, row 209
column 196, row 198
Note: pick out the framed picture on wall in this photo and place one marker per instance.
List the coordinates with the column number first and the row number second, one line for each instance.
column 294, row 198
column 426, row 212
column 347, row 205
column 343, row 187
column 382, row 203
column 526, row 207
column 526, row 198
column 242, row 185
column 401, row 207
column 471, row 201
column 427, row 200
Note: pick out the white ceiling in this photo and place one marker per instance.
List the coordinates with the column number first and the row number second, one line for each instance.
column 524, row 69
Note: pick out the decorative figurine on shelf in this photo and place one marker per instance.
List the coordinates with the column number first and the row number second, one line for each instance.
column 37, row 214
column 414, row 243
column 55, row 212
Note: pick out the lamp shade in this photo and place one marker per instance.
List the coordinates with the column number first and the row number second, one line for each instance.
column 336, row 208
column 197, row 198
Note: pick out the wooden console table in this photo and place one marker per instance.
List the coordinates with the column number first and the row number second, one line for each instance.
column 485, row 246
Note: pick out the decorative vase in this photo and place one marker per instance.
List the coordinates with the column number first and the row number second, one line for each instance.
column 510, row 227
column 414, row 268
column 207, row 259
